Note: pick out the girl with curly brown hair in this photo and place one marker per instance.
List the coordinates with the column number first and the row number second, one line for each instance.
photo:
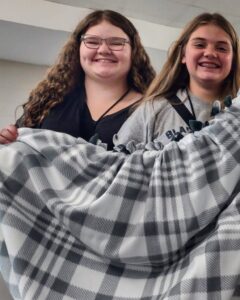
column 101, row 72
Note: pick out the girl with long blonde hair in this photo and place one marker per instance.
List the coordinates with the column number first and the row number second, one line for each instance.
column 202, row 66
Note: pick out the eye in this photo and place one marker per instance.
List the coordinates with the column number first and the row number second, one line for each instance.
column 199, row 45
column 223, row 48
column 92, row 41
column 116, row 41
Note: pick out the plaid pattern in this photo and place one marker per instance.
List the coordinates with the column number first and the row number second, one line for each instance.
column 78, row 222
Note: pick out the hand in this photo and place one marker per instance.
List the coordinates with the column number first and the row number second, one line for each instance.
column 8, row 134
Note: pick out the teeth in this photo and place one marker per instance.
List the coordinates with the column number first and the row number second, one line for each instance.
column 105, row 60
column 209, row 65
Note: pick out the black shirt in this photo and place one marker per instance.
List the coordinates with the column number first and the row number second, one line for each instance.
column 72, row 116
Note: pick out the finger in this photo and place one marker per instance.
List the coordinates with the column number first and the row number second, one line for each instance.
column 12, row 129
column 7, row 136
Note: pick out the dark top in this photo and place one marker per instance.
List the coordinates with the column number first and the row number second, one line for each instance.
column 72, row 116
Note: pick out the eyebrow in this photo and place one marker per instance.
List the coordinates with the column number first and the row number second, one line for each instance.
column 97, row 36
column 203, row 39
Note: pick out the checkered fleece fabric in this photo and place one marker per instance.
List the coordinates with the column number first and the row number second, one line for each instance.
column 78, row 222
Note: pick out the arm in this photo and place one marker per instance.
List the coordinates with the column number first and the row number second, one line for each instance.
column 153, row 120
column 138, row 127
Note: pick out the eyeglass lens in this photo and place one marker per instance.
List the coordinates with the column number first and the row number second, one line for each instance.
column 114, row 43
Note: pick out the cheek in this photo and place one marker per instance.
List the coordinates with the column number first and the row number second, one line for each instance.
column 127, row 58
column 128, row 65
column 229, row 63
column 80, row 58
column 191, row 59
column 85, row 54
column 81, row 54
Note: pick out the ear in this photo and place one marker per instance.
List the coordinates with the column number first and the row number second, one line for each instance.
column 183, row 54
column 183, row 59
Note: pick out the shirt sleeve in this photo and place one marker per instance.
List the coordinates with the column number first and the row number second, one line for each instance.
column 138, row 127
column 19, row 122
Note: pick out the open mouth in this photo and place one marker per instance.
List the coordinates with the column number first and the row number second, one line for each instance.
column 105, row 60
column 209, row 65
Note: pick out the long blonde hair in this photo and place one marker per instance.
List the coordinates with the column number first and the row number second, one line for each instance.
column 67, row 74
column 174, row 74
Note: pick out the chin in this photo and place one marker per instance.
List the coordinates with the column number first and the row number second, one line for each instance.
column 105, row 77
column 105, row 72
column 211, row 77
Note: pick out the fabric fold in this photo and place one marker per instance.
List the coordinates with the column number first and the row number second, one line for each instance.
column 149, row 225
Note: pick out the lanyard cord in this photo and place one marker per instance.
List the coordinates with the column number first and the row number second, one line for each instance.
column 190, row 101
column 95, row 137
column 114, row 104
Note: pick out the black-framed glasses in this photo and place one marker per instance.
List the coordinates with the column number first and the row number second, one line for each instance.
column 113, row 43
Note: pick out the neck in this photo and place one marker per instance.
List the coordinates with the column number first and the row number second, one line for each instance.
column 104, row 93
column 205, row 93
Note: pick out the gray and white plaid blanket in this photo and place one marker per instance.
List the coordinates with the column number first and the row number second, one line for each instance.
column 78, row 222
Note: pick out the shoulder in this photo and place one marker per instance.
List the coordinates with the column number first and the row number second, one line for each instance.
column 151, row 107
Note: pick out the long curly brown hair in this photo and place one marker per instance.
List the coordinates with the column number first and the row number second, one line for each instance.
column 67, row 74
column 174, row 74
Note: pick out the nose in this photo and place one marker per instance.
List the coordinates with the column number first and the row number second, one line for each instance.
column 210, row 51
column 103, row 48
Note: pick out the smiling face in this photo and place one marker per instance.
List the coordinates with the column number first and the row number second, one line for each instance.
column 208, row 57
column 104, row 63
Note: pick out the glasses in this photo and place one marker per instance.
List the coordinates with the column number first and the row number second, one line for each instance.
column 113, row 43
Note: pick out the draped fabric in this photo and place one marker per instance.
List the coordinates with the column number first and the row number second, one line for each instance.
column 79, row 222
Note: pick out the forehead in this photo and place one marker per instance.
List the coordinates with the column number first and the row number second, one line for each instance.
column 212, row 33
column 106, row 29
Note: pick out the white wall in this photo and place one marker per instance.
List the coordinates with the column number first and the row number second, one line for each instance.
column 157, row 58
column 16, row 82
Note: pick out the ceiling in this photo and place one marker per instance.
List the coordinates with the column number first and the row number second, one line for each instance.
column 33, row 31
column 173, row 13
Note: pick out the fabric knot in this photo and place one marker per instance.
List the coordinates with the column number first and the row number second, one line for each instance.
column 94, row 139
column 216, row 108
column 228, row 101
column 195, row 125
column 177, row 137
column 121, row 148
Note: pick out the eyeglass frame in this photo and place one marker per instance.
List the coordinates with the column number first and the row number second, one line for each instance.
column 124, row 41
